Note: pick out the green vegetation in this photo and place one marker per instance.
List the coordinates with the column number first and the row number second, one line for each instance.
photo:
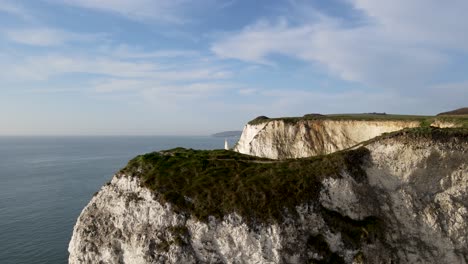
column 427, row 132
column 459, row 111
column 458, row 120
column 215, row 183
column 260, row 120
column 359, row 117
column 220, row 182
column 433, row 133
column 425, row 121
column 354, row 232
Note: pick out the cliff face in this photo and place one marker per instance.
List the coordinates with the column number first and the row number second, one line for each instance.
column 410, row 206
column 278, row 139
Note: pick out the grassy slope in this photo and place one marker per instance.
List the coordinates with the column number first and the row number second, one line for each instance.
column 460, row 111
column 218, row 182
column 425, row 121
column 460, row 120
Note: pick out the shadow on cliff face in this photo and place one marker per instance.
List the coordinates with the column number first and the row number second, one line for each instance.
column 353, row 236
column 428, row 174
column 217, row 183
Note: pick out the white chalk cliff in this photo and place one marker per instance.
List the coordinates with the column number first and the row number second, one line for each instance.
column 416, row 186
column 280, row 139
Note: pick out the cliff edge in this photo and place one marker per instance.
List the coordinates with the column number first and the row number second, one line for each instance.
column 311, row 135
column 400, row 198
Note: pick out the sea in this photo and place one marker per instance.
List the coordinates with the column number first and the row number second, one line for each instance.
column 45, row 182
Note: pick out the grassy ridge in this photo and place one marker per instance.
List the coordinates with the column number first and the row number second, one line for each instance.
column 431, row 133
column 425, row 121
column 459, row 111
column 220, row 182
column 359, row 117
column 215, row 183
column 459, row 120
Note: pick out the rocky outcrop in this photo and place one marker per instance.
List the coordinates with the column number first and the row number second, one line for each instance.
column 410, row 206
column 280, row 139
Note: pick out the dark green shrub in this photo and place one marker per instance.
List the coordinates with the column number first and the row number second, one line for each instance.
column 220, row 182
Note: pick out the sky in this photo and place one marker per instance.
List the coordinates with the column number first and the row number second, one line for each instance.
column 181, row 67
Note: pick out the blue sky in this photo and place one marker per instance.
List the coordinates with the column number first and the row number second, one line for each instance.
column 180, row 67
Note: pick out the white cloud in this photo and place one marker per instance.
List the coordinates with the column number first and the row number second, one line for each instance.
column 165, row 11
column 172, row 93
column 149, row 87
column 125, row 51
column 424, row 22
column 46, row 36
column 247, row 91
column 14, row 9
column 168, row 11
column 257, row 41
column 166, row 96
column 119, row 85
column 44, row 67
column 399, row 44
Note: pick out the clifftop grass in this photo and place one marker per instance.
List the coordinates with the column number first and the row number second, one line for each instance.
column 358, row 117
column 459, row 120
column 216, row 183
column 425, row 121
column 432, row 133
column 203, row 183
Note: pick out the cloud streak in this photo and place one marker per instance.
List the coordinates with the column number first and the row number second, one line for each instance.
column 396, row 45
column 44, row 67
column 46, row 37
column 166, row 11
column 14, row 9
column 125, row 51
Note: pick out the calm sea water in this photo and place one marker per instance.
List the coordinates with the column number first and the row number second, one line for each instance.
column 46, row 181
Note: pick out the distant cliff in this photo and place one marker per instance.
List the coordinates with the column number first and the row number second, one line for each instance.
column 282, row 138
column 234, row 133
column 400, row 198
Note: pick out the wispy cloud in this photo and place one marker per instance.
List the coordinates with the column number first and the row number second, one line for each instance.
column 43, row 67
column 125, row 51
column 398, row 45
column 299, row 102
column 196, row 65
column 47, row 36
column 14, row 9
column 160, row 11
column 256, row 42
column 167, row 11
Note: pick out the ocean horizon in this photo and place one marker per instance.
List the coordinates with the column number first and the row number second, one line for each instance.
column 45, row 182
